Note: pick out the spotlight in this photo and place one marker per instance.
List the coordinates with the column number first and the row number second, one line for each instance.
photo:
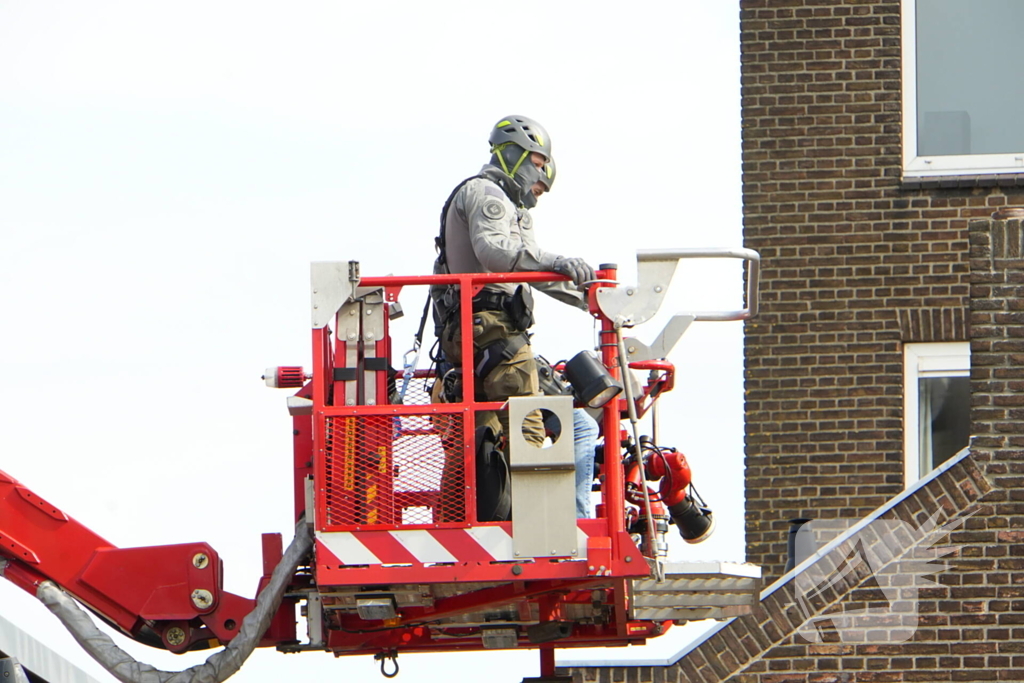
column 590, row 380
column 695, row 522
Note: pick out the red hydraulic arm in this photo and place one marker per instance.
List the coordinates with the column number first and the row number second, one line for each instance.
column 167, row 596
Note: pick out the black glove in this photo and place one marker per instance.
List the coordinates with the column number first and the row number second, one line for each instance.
column 576, row 268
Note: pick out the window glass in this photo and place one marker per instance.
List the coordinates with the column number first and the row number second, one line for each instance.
column 962, row 95
column 936, row 405
column 944, row 419
column 969, row 95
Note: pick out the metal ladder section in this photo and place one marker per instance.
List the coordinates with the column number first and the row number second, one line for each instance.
column 697, row 590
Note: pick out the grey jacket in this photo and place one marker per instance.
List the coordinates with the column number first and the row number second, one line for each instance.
column 486, row 233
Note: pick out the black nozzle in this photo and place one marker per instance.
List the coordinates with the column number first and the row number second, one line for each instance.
column 695, row 522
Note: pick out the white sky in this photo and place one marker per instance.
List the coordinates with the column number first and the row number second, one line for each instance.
column 169, row 170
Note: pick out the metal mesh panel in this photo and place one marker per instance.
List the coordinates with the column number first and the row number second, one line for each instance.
column 385, row 469
column 417, row 391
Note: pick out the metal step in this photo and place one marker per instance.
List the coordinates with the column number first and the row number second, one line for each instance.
column 697, row 590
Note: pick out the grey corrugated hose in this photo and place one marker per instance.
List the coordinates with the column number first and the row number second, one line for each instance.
column 220, row 666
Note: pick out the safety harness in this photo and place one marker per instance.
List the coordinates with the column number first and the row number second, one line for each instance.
column 492, row 355
column 518, row 306
column 493, row 478
column 507, row 185
column 439, row 241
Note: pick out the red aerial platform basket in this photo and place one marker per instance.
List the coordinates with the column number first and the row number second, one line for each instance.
column 404, row 556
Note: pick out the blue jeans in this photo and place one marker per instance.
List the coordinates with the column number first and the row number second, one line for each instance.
column 584, row 432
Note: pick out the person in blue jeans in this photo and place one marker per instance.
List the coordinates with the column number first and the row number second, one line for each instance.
column 584, row 434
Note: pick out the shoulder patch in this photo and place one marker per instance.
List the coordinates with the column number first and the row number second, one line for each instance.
column 493, row 209
column 490, row 189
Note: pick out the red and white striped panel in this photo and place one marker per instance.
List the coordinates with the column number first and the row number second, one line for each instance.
column 406, row 546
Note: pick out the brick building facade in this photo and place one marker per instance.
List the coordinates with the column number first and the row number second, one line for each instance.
column 859, row 260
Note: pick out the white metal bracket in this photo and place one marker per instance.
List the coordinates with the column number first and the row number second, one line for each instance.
column 543, row 482
column 333, row 283
column 627, row 306
column 298, row 405
column 315, row 619
column 636, row 350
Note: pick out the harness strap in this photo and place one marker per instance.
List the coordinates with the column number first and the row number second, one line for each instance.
column 491, row 301
column 439, row 241
column 493, row 354
column 441, row 319
column 507, row 185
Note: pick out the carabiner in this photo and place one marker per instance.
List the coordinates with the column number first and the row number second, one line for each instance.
column 409, row 367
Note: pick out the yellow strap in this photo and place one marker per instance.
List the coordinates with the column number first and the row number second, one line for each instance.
column 496, row 149
column 519, row 163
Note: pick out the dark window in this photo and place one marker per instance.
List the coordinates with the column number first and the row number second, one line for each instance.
column 944, row 418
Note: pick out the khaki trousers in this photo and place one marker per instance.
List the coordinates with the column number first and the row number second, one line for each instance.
column 516, row 376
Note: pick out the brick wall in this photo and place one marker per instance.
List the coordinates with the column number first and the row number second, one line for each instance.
column 970, row 624
column 961, row 628
column 855, row 261
column 997, row 420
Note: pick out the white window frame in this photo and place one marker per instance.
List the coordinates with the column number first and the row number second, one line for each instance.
column 922, row 360
column 915, row 166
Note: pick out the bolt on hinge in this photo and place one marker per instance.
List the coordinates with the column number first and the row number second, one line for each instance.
column 202, row 598
column 175, row 636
